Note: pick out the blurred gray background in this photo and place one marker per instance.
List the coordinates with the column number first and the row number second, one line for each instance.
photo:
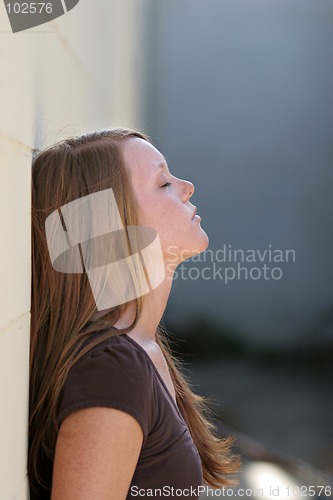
column 240, row 101
column 238, row 96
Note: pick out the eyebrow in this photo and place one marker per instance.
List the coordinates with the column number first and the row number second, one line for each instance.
column 160, row 166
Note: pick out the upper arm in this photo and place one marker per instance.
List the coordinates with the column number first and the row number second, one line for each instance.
column 96, row 454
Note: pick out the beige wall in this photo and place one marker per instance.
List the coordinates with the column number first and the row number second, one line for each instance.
column 77, row 73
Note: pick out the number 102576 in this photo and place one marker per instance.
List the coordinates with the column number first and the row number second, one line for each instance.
column 29, row 8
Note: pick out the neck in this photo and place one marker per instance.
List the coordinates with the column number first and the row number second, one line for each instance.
column 153, row 308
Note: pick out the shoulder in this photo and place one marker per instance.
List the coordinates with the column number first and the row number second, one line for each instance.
column 112, row 374
column 114, row 359
column 116, row 355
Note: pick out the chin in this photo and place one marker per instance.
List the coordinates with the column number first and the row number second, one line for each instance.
column 201, row 244
column 200, row 248
column 179, row 253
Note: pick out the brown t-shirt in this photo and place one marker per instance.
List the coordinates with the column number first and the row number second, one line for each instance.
column 118, row 373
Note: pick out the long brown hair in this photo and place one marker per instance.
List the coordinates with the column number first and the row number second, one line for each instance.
column 62, row 304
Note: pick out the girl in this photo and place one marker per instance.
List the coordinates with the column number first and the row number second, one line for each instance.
column 111, row 415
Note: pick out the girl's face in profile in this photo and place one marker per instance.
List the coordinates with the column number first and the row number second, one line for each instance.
column 164, row 201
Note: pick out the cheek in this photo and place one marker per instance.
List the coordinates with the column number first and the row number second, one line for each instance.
column 155, row 212
column 145, row 211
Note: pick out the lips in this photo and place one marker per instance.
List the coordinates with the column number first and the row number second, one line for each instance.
column 195, row 211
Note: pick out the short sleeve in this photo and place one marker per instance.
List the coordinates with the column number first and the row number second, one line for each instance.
column 116, row 375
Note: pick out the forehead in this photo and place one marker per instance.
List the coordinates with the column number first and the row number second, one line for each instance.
column 141, row 158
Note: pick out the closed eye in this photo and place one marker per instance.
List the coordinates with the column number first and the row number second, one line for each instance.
column 166, row 184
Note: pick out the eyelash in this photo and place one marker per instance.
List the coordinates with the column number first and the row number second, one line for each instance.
column 166, row 184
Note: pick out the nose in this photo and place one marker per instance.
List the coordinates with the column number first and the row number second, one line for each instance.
column 188, row 189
